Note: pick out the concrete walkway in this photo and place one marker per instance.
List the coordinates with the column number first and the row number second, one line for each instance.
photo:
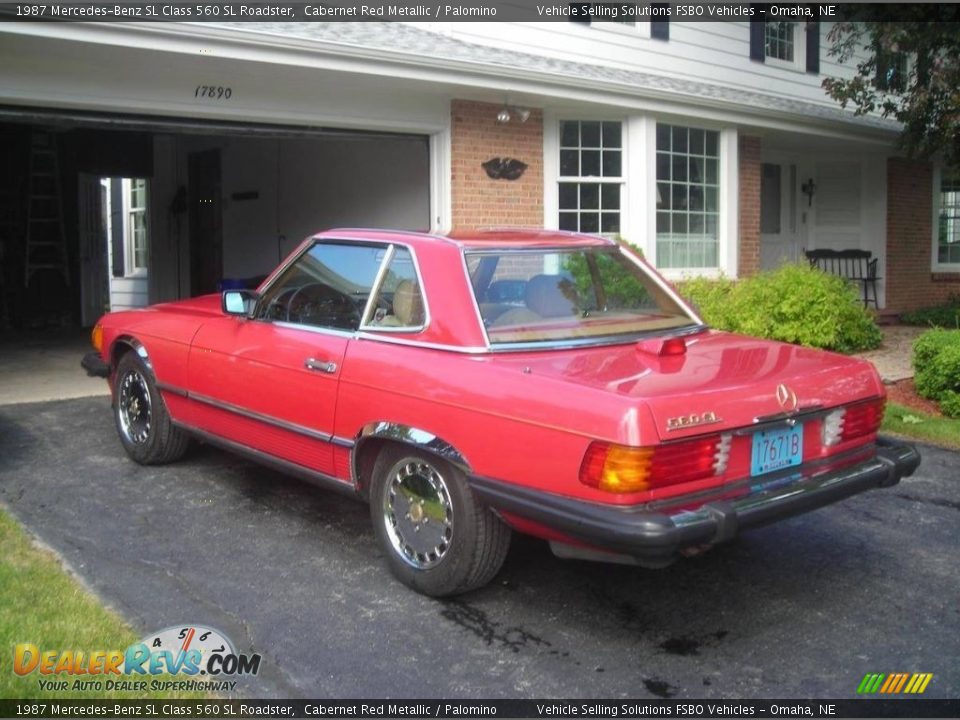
column 892, row 358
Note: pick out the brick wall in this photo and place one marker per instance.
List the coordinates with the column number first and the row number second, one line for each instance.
column 476, row 137
column 910, row 283
column 749, row 226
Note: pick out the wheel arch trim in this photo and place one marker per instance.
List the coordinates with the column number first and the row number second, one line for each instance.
column 415, row 437
column 134, row 344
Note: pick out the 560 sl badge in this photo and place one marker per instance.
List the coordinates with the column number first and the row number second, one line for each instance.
column 685, row 421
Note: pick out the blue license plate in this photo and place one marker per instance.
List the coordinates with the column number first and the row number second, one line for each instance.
column 776, row 450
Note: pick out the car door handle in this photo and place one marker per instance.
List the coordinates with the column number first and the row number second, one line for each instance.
column 320, row 365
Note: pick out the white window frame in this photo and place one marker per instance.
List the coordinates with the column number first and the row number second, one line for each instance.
column 799, row 62
column 638, row 210
column 620, row 180
column 935, row 264
column 130, row 268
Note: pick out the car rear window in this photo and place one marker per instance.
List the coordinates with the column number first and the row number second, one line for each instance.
column 532, row 296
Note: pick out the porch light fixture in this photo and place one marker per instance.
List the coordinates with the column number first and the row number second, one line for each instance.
column 809, row 188
column 509, row 112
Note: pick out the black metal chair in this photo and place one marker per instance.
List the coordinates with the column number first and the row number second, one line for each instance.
column 854, row 265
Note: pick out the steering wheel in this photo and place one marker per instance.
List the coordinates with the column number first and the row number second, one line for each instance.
column 322, row 305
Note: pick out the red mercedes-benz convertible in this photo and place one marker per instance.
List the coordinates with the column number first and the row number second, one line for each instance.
column 544, row 382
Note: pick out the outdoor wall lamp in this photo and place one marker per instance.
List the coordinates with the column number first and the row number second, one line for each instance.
column 809, row 188
column 509, row 112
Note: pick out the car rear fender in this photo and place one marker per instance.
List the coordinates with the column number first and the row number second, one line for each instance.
column 373, row 435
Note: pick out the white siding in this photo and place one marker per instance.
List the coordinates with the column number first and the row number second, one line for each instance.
column 714, row 52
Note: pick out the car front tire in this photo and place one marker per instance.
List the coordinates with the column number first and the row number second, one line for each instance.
column 437, row 538
column 143, row 424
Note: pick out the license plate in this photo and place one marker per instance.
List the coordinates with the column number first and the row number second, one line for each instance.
column 776, row 449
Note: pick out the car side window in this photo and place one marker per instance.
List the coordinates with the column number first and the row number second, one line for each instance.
column 327, row 287
column 399, row 302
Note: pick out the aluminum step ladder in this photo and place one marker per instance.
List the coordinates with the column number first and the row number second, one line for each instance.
column 46, row 246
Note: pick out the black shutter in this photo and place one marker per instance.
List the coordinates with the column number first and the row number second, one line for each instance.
column 757, row 40
column 660, row 29
column 116, row 226
column 813, row 47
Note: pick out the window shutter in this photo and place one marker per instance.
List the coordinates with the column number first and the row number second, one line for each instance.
column 660, row 29
column 117, row 224
column 813, row 47
column 757, row 51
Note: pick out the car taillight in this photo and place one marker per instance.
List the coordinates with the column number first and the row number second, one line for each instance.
column 862, row 419
column 620, row 469
column 853, row 421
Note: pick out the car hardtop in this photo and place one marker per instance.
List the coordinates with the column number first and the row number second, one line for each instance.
column 484, row 239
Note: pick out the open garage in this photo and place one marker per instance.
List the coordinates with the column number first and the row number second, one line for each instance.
column 190, row 169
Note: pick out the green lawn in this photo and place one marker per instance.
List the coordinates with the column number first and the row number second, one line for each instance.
column 41, row 604
column 913, row 424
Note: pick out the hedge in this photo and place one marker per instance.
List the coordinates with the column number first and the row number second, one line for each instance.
column 794, row 303
column 936, row 366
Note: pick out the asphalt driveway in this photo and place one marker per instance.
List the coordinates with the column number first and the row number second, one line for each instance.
column 801, row 609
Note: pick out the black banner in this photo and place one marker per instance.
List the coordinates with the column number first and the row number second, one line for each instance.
column 452, row 11
column 893, row 708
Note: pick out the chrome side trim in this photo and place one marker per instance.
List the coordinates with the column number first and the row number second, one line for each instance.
column 172, row 389
column 312, row 328
column 316, row 477
column 260, row 417
column 407, row 435
column 376, row 337
column 266, row 419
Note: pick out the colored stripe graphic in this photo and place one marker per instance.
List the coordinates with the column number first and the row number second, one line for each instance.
column 894, row 683
column 870, row 683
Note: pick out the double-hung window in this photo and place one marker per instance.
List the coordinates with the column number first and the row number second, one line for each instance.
column 780, row 41
column 688, row 197
column 948, row 218
column 591, row 176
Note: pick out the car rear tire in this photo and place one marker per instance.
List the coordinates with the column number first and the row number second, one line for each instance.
column 438, row 539
column 141, row 416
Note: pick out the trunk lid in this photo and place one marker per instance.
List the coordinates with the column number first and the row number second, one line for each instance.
column 722, row 381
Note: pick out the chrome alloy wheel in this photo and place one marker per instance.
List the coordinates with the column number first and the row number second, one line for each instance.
column 418, row 514
column 134, row 408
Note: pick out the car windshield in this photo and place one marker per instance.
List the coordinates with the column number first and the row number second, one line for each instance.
column 556, row 295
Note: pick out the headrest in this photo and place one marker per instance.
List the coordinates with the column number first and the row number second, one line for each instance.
column 551, row 296
column 408, row 304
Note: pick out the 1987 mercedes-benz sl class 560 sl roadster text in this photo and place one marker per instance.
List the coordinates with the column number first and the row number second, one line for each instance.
column 541, row 382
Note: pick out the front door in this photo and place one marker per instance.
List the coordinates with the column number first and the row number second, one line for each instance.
column 94, row 287
column 780, row 221
column 270, row 382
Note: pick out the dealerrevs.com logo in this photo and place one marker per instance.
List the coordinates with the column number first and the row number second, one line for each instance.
column 189, row 657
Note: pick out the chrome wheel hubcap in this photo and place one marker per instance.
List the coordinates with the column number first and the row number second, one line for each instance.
column 418, row 514
column 134, row 408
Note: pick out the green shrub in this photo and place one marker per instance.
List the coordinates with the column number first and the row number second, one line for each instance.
column 950, row 404
column 793, row 303
column 936, row 366
column 945, row 316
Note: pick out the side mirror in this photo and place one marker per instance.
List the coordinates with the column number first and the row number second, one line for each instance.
column 239, row 302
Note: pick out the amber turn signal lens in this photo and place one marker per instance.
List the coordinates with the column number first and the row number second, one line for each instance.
column 616, row 469
column 96, row 337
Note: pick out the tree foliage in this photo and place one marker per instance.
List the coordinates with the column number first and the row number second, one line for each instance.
column 925, row 96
